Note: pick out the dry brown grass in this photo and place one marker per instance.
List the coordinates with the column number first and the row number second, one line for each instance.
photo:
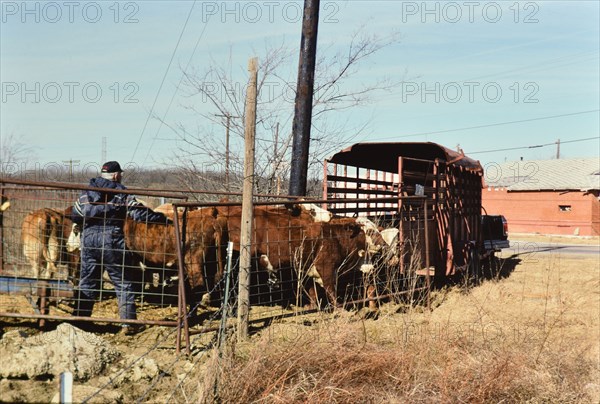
column 531, row 337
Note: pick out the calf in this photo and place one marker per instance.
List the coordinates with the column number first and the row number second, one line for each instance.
column 49, row 238
column 380, row 251
column 340, row 259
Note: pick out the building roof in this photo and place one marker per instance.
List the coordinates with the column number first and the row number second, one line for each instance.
column 577, row 174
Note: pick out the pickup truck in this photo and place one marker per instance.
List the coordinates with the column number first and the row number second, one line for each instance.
column 494, row 230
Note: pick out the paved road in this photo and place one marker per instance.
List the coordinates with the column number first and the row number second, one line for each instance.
column 535, row 247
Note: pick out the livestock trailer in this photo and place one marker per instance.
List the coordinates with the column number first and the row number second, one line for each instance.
column 430, row 193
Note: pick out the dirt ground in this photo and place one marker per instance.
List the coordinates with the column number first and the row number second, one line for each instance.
column 562, row 239
column 554, row 299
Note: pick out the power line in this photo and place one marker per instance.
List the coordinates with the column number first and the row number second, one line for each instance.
column 493, row 124
column 183, row 75
column 536, row 146
column 545, row 64
column 163, row 81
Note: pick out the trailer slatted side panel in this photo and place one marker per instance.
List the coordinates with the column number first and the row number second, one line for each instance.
column 450, row 181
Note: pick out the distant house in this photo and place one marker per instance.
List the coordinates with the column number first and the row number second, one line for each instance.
column 545, row 196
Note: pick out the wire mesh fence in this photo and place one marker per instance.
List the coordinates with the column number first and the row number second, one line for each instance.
column 303, row 257
column 41, row 251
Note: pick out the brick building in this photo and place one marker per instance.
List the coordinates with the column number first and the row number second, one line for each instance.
column 545, row 196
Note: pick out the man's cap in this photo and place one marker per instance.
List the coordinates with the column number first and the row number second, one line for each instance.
column 111, row 167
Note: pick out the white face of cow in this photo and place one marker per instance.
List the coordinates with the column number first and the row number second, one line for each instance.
column 318, row 213
column 74, row 241
column 390, row 236
column 367, row 224
column 265, row 263
column 374, row 239
column 314, row 274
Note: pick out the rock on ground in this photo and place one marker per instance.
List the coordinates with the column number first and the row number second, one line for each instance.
column 48, row 354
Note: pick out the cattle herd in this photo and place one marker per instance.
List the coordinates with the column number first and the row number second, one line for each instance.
column 325, row 254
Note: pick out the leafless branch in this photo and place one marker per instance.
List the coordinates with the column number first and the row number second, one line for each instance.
column 218, row 92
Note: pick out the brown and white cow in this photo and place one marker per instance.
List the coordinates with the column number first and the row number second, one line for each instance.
column 50, row 238
column 341, row 258
column 278, row 234
column 156, row 246
column 330, row 251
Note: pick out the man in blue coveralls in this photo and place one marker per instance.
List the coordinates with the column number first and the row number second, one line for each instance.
column 102, row 215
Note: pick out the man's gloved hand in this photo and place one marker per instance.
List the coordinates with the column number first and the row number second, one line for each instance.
column 118, row 207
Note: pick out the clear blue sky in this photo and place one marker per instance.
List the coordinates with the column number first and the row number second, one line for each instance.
column 483, row 75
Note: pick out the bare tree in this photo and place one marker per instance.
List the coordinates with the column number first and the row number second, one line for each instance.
column 223, row 92
column 14, row 153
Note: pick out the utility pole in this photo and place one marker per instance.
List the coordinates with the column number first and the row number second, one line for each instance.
column 227, row 122
column 304, row 98
column 557, row 149
column 70, row 162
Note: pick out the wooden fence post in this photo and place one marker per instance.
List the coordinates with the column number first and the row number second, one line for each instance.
column 2, row 200
column 247, row 205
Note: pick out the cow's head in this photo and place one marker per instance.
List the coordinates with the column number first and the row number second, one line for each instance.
column 375, row 241
column 316, row 212
column 353, row 229
column 265, row 263
column 74, row 240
